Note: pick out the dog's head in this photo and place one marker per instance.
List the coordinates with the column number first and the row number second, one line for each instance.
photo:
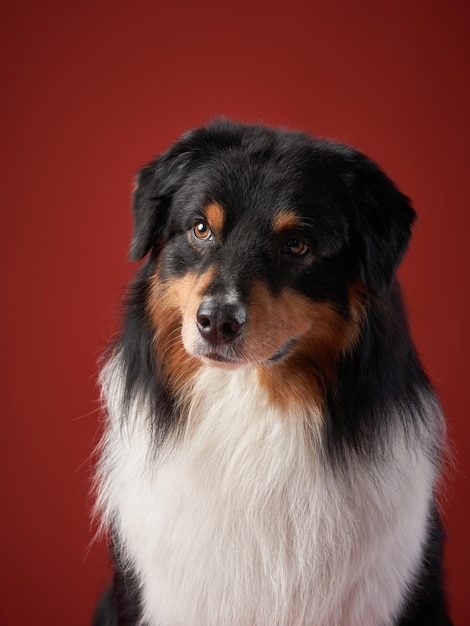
column 265, row 244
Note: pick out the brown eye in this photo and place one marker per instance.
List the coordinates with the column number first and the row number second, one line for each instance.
column 202, row 231
column 296, row 247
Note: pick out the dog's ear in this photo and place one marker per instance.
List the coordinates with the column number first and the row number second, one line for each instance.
column 383, row 218
column 155, row 185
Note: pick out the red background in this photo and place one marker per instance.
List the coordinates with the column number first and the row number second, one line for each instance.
column 92, row 91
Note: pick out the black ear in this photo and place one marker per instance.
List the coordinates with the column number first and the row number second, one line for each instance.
column 155, row 186
column 384, row 218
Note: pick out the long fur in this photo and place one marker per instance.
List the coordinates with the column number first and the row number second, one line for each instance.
column 226, row 507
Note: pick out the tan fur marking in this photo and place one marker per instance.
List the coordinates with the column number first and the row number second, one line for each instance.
column 323, row 335
column 285, row 220
column 170, row 301
column 215, row 215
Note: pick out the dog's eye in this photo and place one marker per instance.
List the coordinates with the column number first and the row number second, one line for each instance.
column 295, row 247
column 202, row 231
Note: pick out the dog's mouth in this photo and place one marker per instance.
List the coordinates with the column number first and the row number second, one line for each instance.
column 213, row 359
column 227, row 357
column 283, row 351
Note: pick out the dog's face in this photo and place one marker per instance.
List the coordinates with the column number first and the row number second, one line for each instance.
column 264, row 246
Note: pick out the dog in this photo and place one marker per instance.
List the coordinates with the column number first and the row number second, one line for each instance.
column 273, row 447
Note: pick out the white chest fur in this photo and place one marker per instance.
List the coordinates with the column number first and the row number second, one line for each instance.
column 241, row 524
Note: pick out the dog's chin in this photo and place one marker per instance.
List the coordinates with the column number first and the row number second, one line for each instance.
column 225, row 358
column 214, row 360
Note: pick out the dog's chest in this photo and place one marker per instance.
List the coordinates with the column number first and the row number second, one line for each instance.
column 241, row 523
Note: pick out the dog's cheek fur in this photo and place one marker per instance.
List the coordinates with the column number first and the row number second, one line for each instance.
column 303, row 378
column 173, row 305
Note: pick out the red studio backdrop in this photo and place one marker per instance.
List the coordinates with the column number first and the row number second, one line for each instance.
column 90, row 92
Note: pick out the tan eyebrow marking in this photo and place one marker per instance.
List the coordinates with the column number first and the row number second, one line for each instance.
column 215, row 216
column 285, row 220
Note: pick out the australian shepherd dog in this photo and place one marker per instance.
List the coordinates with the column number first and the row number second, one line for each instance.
column 273, row 446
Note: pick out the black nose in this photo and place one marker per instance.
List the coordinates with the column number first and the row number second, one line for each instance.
column 220, row 322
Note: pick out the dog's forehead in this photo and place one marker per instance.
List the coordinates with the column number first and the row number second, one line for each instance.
column 226, row 200
column 272, row 192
